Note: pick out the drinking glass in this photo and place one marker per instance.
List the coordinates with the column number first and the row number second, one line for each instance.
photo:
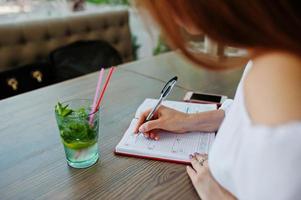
column 78, row 128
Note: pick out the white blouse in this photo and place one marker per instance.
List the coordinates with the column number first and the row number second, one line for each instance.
column 256, row 161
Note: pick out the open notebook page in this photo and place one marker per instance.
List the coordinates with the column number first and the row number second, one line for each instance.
column 170, row 146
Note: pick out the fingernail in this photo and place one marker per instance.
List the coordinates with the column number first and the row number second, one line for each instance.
column 141, row 129
column 156, row 138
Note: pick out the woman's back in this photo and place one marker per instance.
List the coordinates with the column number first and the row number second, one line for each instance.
column 257, row 152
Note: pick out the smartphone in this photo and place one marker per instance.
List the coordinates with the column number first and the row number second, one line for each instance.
column 204, row 98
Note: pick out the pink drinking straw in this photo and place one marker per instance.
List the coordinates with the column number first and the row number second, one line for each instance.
column 102, row 92
column 96, row 95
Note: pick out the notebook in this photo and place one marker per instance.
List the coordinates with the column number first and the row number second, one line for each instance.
column 171, row 147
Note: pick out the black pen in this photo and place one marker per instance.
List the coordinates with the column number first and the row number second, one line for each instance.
column 164, row 93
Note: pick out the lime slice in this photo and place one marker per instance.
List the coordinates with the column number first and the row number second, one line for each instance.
column 79, row 144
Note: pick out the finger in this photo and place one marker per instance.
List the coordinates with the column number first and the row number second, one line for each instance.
column 201, row 157
column 191, row 173
column 146, row 135
column 201, row 154
column 152, row 135
column 150, row 125
column 141, row 120
column 195, row 164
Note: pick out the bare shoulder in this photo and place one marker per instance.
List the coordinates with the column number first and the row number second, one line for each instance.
column 273, row 89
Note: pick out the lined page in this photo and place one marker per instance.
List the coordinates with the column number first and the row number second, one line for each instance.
column 170, row 146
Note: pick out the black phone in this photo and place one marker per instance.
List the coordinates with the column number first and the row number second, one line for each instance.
column 204, row 98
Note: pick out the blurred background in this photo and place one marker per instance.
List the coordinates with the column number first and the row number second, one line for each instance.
column 43, row 42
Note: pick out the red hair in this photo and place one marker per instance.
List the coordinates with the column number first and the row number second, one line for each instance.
column 249, row 24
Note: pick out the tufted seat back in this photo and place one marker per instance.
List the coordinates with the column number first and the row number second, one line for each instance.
column 23, row 43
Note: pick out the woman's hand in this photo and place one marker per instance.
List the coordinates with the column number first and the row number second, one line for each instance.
column 178, row 122
column 164, row 119
column 202, row 180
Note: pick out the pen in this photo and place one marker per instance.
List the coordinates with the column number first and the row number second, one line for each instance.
column 164, row 93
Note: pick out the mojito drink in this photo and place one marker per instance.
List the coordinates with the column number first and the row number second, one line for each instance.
column 78, row 129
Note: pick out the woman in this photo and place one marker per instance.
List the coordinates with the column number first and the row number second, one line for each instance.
column 257, row 151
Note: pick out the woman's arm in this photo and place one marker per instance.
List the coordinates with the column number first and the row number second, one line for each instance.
column 206, row 122
column 174, row 121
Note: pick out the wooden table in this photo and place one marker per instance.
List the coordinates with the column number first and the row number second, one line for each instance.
column 32, row 160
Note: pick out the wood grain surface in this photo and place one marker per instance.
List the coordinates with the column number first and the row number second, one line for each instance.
column 32, row 160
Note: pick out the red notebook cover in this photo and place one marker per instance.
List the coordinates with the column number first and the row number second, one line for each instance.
column 151, row 158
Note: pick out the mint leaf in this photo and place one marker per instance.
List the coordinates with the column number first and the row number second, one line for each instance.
column 75, row 129
column 63, row 111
